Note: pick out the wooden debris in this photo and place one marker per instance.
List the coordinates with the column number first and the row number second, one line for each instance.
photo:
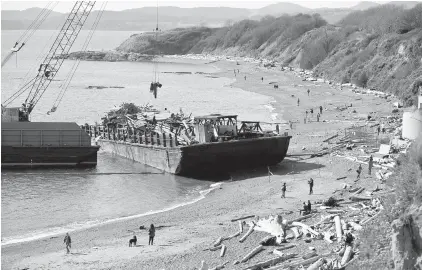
column 309, row 255
column 338, row 228
column 332, row 137
column 223, row 250
column 347, row 255
column 298, row 263
column 236, row 262
column 240, row 226
column 359, row 198
column 218, row 242
column 296, row 232
column 274, row 261
column 335, row 211
column 247, row 234
column 231, row 236
column 236, row 219
column 371, row 218
column 343, row 177
column 284, row 248
column 215, row 248
column 327, row 237
column 306, row 227
column 316, row 265
column 252, row 253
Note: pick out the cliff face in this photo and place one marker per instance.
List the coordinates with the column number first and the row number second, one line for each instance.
column 380, row 48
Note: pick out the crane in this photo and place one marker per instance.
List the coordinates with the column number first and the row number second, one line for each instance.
column 54, row 58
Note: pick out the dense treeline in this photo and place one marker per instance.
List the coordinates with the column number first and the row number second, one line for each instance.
column 377, row 48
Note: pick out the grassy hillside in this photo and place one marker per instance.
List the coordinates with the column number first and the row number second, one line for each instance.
column 378, row 48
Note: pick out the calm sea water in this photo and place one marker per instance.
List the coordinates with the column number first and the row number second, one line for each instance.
column 42, row 203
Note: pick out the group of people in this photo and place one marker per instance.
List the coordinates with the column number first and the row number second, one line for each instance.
column 310, row 183
column 311, row 111
column 370, row 165
column 132, row 242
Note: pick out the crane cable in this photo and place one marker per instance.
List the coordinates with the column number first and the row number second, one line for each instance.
column 75, row 66
column 29, row 32
column 155, row 54
column 41, row 55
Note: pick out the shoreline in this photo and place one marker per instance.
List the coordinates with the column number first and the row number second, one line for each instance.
column 187, row 230
column 91, row 224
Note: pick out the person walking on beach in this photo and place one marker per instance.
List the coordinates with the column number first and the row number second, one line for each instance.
column 309, row 206
column 312, row 112
column 151, row 233
column 311, row 186
column 306, row 112
column 245, row 77
column 378, row 129
column 359, row 170
column 320, row 109
column 317, row 117
column 277, row 129
column 309, row 92
column 298, row 101
column 68, row 242
column 371, row 163
column 283, row 191
column 262, row 78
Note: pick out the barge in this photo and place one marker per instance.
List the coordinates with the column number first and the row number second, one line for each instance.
column 217, row 145
column 44, row 144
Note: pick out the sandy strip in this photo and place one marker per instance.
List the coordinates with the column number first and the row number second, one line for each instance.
column 188, row 230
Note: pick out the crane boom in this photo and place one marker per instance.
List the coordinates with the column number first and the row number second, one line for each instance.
column 55, row 57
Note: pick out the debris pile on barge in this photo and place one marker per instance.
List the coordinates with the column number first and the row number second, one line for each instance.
column 192, row 146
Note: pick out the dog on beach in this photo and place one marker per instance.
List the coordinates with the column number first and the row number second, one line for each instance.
column 132, row 242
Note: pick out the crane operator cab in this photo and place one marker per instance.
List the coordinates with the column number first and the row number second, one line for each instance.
column 47, row 71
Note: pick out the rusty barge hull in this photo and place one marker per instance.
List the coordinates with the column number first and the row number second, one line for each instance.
column 206, row 158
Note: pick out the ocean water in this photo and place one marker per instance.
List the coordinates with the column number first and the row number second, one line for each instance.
column 42, row 203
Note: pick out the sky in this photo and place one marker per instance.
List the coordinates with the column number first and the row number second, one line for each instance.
column 65, row 6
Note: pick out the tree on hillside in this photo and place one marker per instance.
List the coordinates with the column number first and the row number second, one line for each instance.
column 409, row 20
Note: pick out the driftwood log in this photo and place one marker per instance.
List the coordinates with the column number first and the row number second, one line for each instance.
column 215, row 248
column 316, row 265
column 306, row 227
column 236, row 219
column 298, row 263
column 347, row 255
column 223, row 250
column 359, row 198
column 309, row 255
column 338, row 228
column 247, row 234
column 271, row 262
column 284, row 248
column 218, row 241
column 252, row 253
column 240, row 226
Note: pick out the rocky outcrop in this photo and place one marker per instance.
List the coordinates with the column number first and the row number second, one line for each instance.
column 406, row 244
